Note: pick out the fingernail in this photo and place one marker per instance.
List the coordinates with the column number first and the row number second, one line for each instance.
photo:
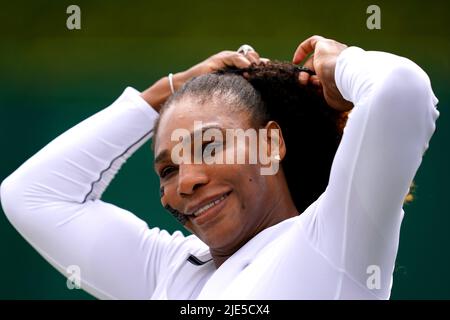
column 303, row 78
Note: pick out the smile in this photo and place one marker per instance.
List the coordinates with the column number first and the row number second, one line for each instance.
column 209, row 210
column 209, row 205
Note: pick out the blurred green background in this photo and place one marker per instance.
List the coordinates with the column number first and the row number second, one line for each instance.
column 51, row 78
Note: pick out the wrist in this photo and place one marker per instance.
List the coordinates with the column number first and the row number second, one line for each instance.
column 157, row 94
column 179, row 79
column 160, row 91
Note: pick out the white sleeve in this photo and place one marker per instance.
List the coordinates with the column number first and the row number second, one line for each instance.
column 358, row 218
column 53, row 200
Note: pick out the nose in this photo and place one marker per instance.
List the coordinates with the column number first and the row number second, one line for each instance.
column 190, row 178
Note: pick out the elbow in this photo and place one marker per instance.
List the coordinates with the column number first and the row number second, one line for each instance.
column 407, row 93
column 405, row 99
column 406, row 84
column 7, row 195
column 11, row 198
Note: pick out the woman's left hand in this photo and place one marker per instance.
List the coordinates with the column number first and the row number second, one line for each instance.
column 323, row 63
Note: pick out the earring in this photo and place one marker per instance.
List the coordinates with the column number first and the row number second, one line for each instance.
column 277, row 157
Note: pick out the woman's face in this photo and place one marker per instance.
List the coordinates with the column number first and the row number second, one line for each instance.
column 235, row 195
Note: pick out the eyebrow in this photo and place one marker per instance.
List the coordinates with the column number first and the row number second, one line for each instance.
column 165, row 153
column 161, row 156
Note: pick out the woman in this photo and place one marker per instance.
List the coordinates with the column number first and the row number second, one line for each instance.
column 255, row 236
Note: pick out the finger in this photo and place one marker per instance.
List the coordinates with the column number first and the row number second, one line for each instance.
column 305, row 48
column 314, row 80
column 264, row 60
column 303, row 78
column 316, row 83
column 236, row 60
column 253, row 56
column 309, row 63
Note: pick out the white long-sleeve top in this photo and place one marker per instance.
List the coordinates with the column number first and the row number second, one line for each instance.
column 342, row 247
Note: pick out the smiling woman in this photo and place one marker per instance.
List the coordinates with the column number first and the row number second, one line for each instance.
column 313, row 230
column 226, row 101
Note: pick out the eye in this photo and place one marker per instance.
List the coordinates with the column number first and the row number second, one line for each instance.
column 166, row 171
column 212, row 144
column 205, row 144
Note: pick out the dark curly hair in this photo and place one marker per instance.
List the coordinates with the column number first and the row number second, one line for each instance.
column 312, row 130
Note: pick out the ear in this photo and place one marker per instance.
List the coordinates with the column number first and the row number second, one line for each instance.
column 281, row 152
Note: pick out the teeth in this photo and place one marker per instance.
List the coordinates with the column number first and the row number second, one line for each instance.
column 209, row 205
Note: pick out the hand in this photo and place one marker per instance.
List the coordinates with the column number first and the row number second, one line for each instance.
column 222, row 60
column 158, row 93
column 323, row 63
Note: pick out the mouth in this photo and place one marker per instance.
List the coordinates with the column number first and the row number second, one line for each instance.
column 208, row 210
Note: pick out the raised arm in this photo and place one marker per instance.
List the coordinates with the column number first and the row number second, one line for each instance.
column 358, row 217
column 53, row 199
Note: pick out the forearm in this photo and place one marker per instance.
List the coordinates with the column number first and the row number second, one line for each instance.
column 385, row 137
column 389, row 128
column 79, row 164
column 53, row 202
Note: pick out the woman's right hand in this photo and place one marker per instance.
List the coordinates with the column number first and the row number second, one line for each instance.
column 222, row 60
column 158, row 93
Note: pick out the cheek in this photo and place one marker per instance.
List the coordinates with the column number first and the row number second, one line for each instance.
column 167, row 193
column 256, row 184
column 163, row 195
column 246, row 181
column 181, row 218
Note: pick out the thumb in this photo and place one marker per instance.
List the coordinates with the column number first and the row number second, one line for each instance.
column 305, row 48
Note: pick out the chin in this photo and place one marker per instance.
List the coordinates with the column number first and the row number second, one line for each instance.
column 223, row 233
column 219, row 239
column 213, row 240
